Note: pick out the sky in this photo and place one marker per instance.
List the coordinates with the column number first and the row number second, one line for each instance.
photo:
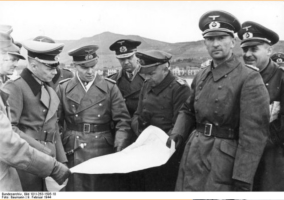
column 168, row 21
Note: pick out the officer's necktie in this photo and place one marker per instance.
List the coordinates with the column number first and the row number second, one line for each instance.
column 45, row 98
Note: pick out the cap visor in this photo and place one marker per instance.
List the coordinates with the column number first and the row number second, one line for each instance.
column 216, row 33
column 147, row 70
column 18, row 55
column 251, row 43
column 125, row 55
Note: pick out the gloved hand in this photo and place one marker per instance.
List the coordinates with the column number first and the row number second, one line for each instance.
column 60, row 173
column 175, row 137
column 241, row 186
column 144, row 120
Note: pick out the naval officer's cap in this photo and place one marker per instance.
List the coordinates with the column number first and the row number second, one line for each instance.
column 218, row 23
column 7, row 44
column 44, row 52
column 124, row 48
column 150, row 60
column 278, row 57
column 252, row 34
column 85, row 56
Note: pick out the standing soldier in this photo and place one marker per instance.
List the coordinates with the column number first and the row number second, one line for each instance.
column 278, row 58
column 16, row 152
column 62, row 73
column 160, row 99
column 88, row 104
column 129, row 82
column 128, row 79
column 256, row 43
column 34, row 104
column 228, row 113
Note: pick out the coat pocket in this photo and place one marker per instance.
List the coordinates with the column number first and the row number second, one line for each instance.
column 108, row 138
column 229, row 148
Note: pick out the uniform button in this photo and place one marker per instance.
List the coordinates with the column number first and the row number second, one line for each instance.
column 73, row 105
column 267, row 84
column 215, row 112
column 216, row 124
column 77, row 137
column 216, row 100
column 99, row 115
column 44, row 131
column 76, row 115
column 43, row 110
column 200, row 88
column 226, row 76
column 96, row 136
column 219, row 87
column 101, row 104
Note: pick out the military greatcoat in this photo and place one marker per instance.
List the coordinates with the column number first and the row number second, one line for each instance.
column 270, row 173
column 162, row 103
column 231, row 102
column 35, row 122
column 93, row 111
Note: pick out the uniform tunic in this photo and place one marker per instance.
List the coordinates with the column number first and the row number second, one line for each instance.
column 130, row 89
column 35, row 122
column 100, row 105
column 16, row 153
column 270, row 173
column 162, row 103
column 233, row 99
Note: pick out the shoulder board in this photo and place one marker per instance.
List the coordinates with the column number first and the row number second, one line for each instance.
column 252, row 67
column 64, row 80
column 110, row 80
column 180, row 81
column 14, row 79
column 111, row 75
column 282, row 68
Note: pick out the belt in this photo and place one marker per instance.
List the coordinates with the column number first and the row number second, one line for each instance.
column 41, row 135
column 210, row 130
column 88, row 128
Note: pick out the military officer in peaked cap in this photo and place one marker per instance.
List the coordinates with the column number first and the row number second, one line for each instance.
column 34, row 104
column 15, row 152
column 278, row 58
column 9, row 54
column 128, row 79
column 88, row 104
column 227, row 115
column 161, row 97
column 129, row 82
column 257, row 42
column 62, row 73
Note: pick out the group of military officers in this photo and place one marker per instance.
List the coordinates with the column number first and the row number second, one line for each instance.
column 224, row 137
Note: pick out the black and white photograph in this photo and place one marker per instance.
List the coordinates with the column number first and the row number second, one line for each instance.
column 142, row 99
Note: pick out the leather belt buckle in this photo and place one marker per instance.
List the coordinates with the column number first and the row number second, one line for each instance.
column 87, row 128
column 208, row 130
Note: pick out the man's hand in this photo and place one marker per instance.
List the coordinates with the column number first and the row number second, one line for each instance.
column 60, row 172
column 177, row 138
column 241, row 186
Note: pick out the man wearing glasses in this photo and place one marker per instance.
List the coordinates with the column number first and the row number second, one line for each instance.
column 88, row 104
column 34, row 104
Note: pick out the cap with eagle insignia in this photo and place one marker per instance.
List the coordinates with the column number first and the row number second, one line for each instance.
column 44, row 52
column 124, row 48
column 218, row 23
column 150, row 60
column 278, row 57
column 85, row 55
column 252, row 67
column 253, row 34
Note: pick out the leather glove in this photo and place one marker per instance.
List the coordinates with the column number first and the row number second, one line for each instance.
column 144, row 121
column 60, row 173
column 241, row 186
column 177, row 138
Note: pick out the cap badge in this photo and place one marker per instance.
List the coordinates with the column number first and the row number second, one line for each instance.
column 121, row 42
column 122, row 49
column 214, row 24
column 56, row 58
column 247, row 27
column 247, row 35
column 279, row 60
column 89, row 57
column 89, row 51
column 213, row 17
